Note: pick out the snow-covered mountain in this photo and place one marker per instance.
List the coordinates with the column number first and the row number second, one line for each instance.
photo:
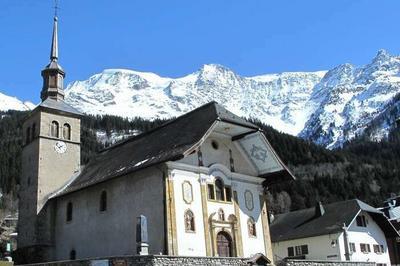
column 12, row 103
column 327, row 107
column 278, row 99
column 349, row 100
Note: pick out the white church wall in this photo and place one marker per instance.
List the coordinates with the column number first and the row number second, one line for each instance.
column 93, row 233
column 319, row 247
column 189, row 243
column 221, row 155
column 251, row 244
column 372, row 234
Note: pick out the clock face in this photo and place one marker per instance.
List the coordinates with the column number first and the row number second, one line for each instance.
column 60, row 147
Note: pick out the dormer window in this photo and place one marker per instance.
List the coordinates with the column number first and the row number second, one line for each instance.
column 54, row 131
column 361, row 221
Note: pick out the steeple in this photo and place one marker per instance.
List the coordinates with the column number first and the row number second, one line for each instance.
column 53, row 74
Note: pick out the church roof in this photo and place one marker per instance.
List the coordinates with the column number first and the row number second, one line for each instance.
column 307, row 223
column 169, row 142
column 59, row 106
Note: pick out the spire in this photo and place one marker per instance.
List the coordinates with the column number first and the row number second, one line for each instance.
column 54, row 43
column 53, row 74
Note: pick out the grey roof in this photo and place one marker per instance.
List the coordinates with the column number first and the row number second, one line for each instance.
column 169, row 142
column 304, row 223
column 59, row 105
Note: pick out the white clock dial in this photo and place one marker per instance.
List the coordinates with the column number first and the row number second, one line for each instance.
column 60, row 147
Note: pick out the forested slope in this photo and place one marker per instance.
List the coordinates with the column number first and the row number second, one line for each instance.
column 362, row 169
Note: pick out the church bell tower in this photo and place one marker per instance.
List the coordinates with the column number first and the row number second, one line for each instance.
column 50, row 158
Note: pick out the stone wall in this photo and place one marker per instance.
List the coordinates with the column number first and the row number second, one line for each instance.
column 151, row 260
column 324, row 263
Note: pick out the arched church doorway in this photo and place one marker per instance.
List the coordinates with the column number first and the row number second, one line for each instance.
column 224, row 244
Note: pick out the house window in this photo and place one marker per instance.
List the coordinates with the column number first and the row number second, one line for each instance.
column 103, row 201
column 251, row 227
column 67, row 131
column 298, row 250
column 72, row 255
column 54, row 132
column 290, row 251
column 365, row 248
column 218, row 191
column 361, row 221
column 28, row 135
column 69, row 211
column 189, row 221
column 352, row 247
column 379, row 249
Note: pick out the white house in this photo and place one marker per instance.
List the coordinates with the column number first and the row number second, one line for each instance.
column 347, row 230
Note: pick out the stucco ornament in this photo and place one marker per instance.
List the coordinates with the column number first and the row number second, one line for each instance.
column 187, row 192
column 248, row 199
column 60, row 147
column 259, row 153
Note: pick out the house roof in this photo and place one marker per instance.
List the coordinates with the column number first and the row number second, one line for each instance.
column 305, row 223
column 169, row 142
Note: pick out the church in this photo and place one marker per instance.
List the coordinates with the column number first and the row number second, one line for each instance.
column 199, row 180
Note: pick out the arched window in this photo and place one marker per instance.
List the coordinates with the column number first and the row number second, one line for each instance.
column 221, row 215
column 33, row 131
column 28, row 134
column 219, row 189
column 251, row 227
column 72, row 255
column 54, row 132
column 69, row 211
column 189, row 221
column 67, row 131
column 103, row 201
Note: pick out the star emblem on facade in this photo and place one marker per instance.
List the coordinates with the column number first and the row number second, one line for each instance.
column 259, row 153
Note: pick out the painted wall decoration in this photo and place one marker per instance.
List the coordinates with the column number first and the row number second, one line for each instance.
column 187, row 192
column 248, row 199
column 260, row 154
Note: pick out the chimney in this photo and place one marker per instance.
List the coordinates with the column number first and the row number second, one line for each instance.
column 319, row 209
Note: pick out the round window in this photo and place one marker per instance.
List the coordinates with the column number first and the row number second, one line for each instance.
column 214, row 144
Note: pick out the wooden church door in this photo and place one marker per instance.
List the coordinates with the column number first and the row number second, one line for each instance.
column 224, row 245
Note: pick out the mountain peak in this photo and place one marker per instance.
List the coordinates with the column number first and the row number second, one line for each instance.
column 214, row 68
column 382, row 55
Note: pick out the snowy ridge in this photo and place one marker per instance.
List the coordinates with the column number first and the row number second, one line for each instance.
column 131, row 93
column 12, row 103
column 326, row 107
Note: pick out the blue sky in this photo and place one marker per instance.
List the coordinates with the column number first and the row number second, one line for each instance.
column 175, row 37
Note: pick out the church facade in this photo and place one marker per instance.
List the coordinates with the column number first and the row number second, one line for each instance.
column 199, row 179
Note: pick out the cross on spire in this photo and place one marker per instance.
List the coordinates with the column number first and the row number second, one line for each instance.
column 56, row 8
